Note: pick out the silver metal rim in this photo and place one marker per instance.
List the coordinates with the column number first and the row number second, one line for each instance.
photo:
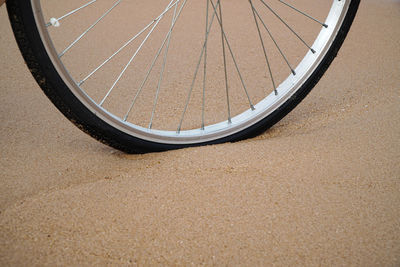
column 223, row 129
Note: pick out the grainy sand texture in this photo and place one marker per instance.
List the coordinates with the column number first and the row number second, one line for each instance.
column 320, row 188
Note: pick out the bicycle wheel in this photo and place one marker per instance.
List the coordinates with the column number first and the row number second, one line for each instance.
column 154, row 75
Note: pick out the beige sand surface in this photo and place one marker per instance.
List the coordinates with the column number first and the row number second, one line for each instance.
column 322, row 187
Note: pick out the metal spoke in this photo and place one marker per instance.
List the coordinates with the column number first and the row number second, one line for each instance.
column 225, row 72
column 133, row 57
column 233, row 57
column 263, row 46
column 70, row 13
column 290, row 28
column 273, row 39
column 88, row 29
column 126, row 44
column 154, row 62
column 205, row 71
column 162, row 70
column 303, row 13
column 197, row 69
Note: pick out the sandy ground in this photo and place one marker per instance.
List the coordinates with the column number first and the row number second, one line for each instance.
column 322, row 187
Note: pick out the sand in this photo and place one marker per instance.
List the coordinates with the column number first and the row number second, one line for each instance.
column 322, row 187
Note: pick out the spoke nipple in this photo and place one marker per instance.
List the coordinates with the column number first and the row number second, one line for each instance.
column 294, row 73
column 54, row 22
column 313, row 51
column 229, row 121
column 276, row 92
column 179, row 130
column 125, row 118
column 150, row 125
column 79, row 83
column 202, row 127
column 325, row 25
column 252, row 107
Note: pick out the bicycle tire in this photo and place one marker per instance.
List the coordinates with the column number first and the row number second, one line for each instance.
column 37, row 58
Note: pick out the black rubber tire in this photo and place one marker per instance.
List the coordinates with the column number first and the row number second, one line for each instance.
column 39, row 63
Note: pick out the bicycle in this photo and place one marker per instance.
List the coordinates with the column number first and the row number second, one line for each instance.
column 144, row 76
